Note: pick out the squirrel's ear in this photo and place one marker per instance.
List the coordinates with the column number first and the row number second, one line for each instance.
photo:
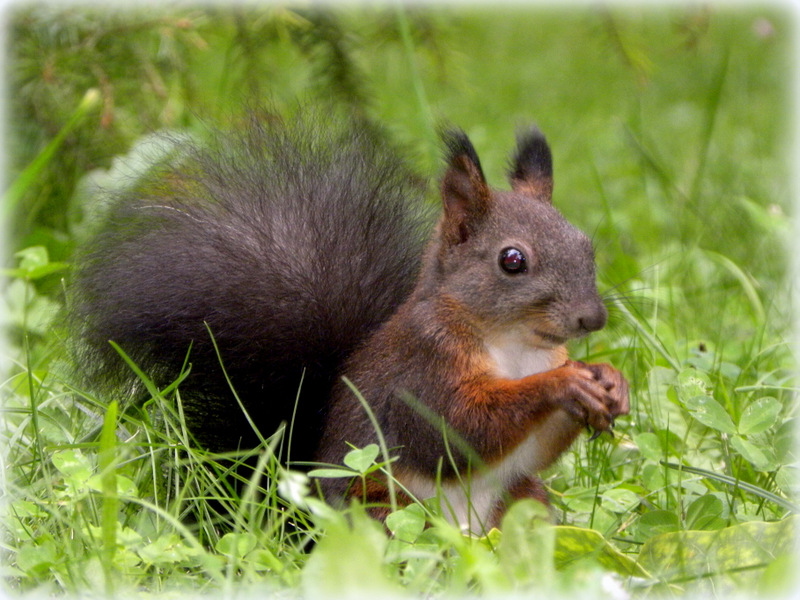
column 532, row 167
column 465, row 194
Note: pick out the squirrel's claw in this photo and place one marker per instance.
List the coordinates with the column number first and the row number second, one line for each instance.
column 596, row 433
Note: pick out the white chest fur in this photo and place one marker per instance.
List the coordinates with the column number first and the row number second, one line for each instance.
column 470, row 503
column 515, row 356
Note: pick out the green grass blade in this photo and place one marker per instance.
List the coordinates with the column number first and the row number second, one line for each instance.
column 650, row 337
column 712, row 110
column 426, row 115
column 745, row 280
column 108, row 479
column 381, row 441
column 262, row 440
column 29, row 175
column 151, row 387
column 732, row 481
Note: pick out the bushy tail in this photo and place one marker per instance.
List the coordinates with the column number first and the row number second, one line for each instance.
column 291, row 241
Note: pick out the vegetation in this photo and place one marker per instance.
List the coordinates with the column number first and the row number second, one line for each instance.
column 670, row 131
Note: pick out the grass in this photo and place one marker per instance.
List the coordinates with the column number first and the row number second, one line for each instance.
column 670, row 130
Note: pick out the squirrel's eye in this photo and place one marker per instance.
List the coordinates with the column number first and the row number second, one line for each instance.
column 512, row 261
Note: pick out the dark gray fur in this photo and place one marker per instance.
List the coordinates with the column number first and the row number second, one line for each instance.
column 292, row 241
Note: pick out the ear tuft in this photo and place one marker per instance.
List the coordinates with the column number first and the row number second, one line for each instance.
column 532, row 166
column 465, row 193
column 458, row 145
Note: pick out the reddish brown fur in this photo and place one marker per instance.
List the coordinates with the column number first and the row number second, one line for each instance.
column 538, row 189
column 527, row 487
column 376, row 497
column 468, row 409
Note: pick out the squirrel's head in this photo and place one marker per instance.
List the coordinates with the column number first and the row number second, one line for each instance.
column 509, row 258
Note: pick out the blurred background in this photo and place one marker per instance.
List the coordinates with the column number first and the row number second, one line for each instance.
column 669, row 125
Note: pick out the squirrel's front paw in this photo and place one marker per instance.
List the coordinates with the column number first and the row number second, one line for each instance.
column 579, row 392
column 614, row 383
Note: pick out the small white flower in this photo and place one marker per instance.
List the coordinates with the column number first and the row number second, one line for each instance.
column 294, row 487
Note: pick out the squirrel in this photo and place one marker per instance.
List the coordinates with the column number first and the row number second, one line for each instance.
column 302, row 248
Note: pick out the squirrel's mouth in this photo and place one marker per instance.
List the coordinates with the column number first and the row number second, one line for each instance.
column 555, row 340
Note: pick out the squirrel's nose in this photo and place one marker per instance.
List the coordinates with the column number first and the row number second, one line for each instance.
column 591, row 318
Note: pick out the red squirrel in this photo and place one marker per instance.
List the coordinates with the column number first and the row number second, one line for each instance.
column 505, row 282
column 300, row 245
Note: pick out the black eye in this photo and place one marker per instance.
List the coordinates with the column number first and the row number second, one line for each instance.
column 512, row 261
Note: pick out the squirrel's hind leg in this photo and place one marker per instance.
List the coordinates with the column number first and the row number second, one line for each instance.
column 375, row 496
column 525, row 487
